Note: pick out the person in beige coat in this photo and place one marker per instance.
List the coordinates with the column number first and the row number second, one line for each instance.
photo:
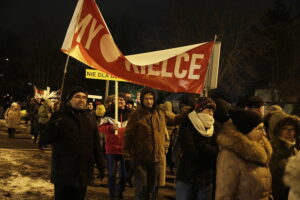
column 292, row 177
column 13, row 118
column 242, row 165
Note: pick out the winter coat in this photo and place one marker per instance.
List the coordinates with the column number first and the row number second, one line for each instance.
column 242, row 166
column 280, row 157
column 114, row 144
column 34, row 110
column 44, row 114
column 292, row 177
column 75, row 147
column 277, row 166
column 167, row 107
column 145, row 134
column 13, row 118
column 197, row 164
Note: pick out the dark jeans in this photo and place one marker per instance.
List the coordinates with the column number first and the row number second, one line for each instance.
column 186, row 191
column 146, row 176
column 11, row 132
column 115, row 165
column 40, row 128
column 33, row 126
column 64, row 192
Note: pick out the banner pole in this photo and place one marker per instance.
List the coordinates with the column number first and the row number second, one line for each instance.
column 116, row 103
column 64, row 76
column 205, row 88
column 106, row 88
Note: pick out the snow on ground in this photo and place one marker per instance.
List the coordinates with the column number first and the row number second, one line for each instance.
column 24, row 174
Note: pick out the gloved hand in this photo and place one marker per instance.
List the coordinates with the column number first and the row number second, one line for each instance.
column 101, row 174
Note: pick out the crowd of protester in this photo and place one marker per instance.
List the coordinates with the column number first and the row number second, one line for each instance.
column 214, row 150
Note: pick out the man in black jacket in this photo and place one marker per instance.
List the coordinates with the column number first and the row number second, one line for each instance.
column 75, row 143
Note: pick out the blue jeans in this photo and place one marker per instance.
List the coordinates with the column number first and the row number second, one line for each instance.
column 115, row 165
column 186, row 191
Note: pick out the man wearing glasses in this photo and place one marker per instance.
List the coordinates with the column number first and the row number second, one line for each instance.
column 73, row 134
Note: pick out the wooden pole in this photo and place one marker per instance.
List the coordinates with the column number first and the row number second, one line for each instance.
column 64, row 76
column 116, row 103
column 106, row 88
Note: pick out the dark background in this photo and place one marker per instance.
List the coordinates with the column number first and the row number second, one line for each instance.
column 260, row 41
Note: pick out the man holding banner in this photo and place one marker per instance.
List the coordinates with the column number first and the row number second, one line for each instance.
column 114, row 147
column 145, row 144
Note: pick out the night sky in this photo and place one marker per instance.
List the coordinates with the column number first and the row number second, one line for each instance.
column 156, row 22
column 23, row 17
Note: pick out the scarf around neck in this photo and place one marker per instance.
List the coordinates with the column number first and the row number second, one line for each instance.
column 198, row 121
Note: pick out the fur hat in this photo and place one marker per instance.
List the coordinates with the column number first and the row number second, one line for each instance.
column 245, row 121
column 74, row 90
column 203, row 103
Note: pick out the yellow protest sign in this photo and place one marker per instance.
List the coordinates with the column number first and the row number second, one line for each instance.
column 96, row 74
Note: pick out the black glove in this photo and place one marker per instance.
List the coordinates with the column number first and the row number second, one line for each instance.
column 101, row 174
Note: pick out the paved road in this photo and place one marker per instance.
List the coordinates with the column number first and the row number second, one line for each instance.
column 24, row 172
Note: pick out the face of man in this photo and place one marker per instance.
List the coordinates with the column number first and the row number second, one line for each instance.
column 148, row 100
column 121, row 103
column 78, row 101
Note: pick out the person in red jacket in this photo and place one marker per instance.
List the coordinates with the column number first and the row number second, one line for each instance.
column 114, row 143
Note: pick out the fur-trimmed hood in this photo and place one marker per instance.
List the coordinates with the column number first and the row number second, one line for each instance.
column 233, row 140
column 275, row 118
column 278, row 120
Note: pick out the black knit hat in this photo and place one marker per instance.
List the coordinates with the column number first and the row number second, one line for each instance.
column 245, row 121
column 74, row 90
column 222, row 111
column 254, row 102
column 130, row 101
column 205, row 102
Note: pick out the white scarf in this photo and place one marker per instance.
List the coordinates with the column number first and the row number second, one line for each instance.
column 201, row 121
column 287, row 142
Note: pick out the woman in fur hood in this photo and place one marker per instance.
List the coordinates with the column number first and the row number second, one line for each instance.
column 243, row 161
column 284, row 130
